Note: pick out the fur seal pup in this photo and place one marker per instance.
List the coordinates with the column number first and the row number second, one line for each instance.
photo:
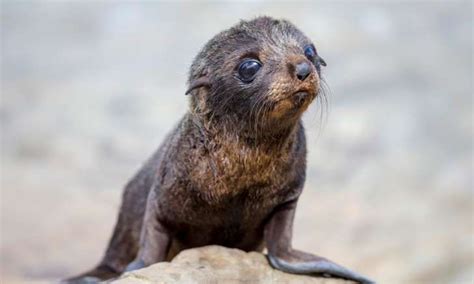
column 232, row 170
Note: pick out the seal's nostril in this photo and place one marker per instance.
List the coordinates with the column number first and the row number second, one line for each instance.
column 303, row 69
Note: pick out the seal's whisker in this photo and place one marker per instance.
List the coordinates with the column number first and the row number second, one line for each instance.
column 260, row 107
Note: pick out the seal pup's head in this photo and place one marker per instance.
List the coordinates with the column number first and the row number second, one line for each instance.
column 258, row 76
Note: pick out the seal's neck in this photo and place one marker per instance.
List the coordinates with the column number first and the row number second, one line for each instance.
column 270, row 138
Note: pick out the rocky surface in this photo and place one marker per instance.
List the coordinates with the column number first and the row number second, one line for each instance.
column 215, row 264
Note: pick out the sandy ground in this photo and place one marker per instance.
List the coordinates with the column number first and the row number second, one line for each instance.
column 89, row 89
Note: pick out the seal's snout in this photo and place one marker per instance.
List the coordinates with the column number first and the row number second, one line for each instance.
column 303, row 69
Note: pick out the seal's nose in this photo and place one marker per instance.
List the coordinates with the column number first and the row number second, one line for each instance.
column 302, row 70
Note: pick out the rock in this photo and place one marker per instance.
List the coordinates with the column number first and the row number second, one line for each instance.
column 215, row 264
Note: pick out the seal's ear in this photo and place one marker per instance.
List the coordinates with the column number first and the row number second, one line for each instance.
column 321, row 61
column 198, row 83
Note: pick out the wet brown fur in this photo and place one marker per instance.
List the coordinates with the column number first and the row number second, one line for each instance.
column 234, row 162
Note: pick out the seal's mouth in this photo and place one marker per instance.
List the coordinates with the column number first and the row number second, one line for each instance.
column 300, row 98
column 293, row 104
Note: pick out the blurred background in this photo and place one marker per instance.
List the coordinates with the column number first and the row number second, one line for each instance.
column 89, row 89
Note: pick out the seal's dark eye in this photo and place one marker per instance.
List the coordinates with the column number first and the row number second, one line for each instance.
column 248, row 69
column 310, row 52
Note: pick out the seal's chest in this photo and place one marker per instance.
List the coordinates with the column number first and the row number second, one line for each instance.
column 242, row 180
column 250, row 166
column 236, row 181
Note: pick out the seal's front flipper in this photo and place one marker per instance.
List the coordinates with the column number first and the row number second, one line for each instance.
column 298, row 262
column 96, row 275
column 154, row 239
column 278, row 234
